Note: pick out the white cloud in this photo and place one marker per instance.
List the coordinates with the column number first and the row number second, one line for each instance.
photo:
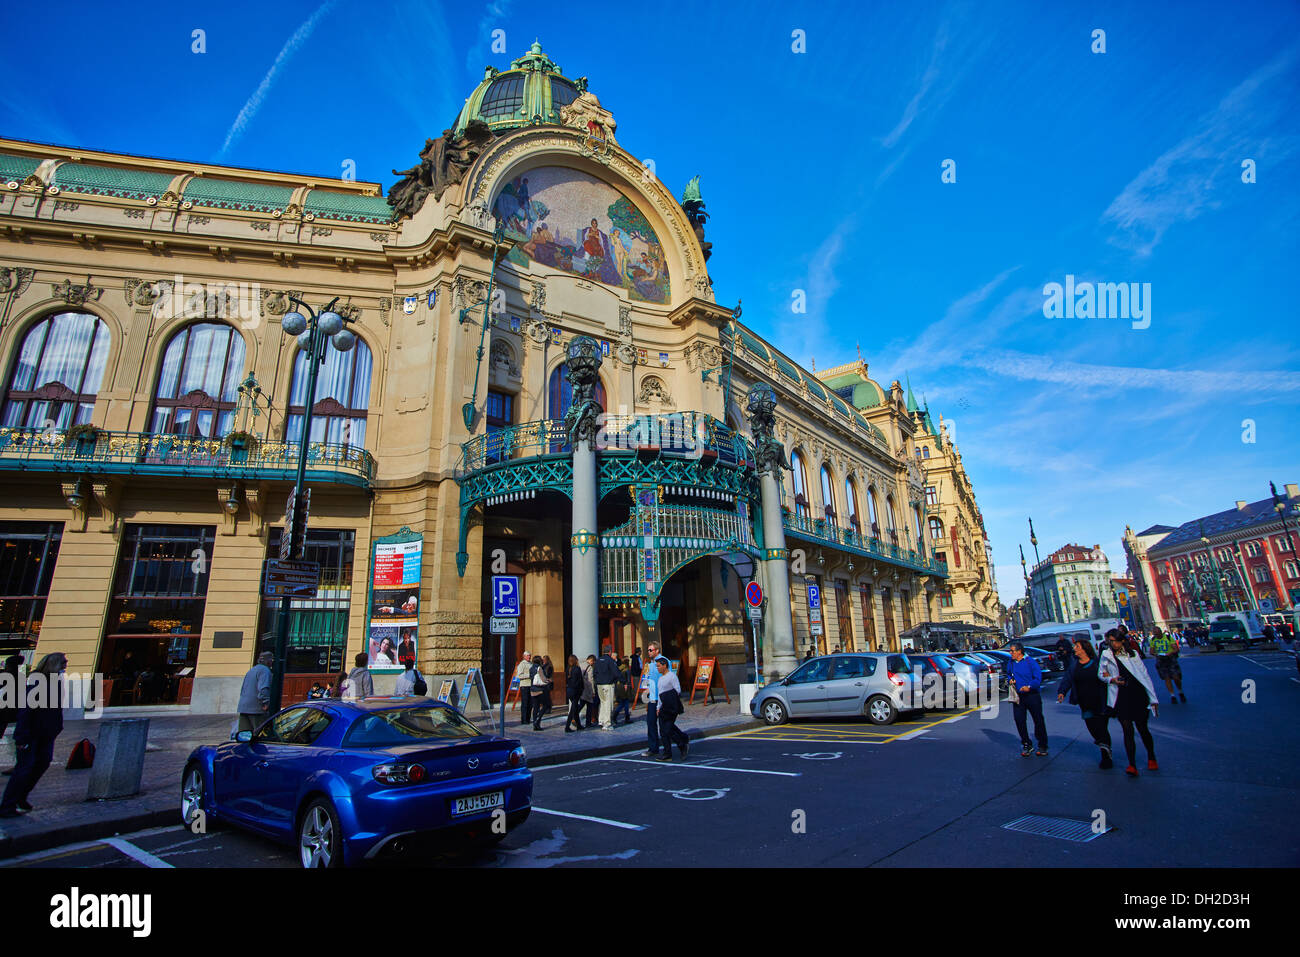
column 291, row 46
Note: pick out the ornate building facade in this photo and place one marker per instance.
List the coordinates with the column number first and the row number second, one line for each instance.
column 534, row 379
column 1072, row 584
column 1243, row 558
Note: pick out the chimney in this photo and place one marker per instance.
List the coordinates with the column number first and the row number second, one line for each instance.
column 1292, row 490
column 1241, row 506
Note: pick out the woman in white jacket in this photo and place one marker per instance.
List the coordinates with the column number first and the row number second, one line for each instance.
column 1130, row 695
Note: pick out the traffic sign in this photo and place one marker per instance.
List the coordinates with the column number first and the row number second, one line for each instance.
column 754, row 594
column 755, row 613
column 505, row 595
column 505, row 626
column 291, row 579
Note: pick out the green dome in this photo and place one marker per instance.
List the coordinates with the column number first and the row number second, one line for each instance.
column 530, row 93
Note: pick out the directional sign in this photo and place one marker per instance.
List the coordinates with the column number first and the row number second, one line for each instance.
column 291, row 579
column 505, row 596
column 505, row 626
column 754, row 594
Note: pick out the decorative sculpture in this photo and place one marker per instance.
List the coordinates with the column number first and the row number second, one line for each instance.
column 580, row 368
column 769, row 453
column 693, row 207
column 443, row 162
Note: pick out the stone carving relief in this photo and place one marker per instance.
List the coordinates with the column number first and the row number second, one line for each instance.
column 503, row 358
column 653, row 390
column 15, row 279
column 75, row 294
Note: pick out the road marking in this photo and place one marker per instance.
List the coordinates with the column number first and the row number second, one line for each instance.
column 706, row 767
column 67, row 850
column 586, row 817
column 136, row 853
column 922, row 730
column 690, row 794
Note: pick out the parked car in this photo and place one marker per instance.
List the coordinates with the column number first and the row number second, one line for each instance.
column 933, row 668
column 983, row 669
column 347, row 781
column 875, row 685
column 1047, row 660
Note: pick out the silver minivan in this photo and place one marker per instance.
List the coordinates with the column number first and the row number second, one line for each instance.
column 873, row 684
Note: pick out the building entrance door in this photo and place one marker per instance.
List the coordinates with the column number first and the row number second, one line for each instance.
column 891, row 632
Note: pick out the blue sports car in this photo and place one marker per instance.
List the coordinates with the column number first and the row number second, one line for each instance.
column 348, row 781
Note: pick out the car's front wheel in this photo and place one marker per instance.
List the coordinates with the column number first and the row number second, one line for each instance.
column 320, row 839
column 880, row 710
column 194, row 809
column 774, row 712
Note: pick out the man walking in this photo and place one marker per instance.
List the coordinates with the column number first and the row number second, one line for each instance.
column 606, row 673
column 360, row 683
column 1165, row 648
column 670, row 706
column 255, row 693
column 652, row 701
column 1027, row 678
column 523, row 673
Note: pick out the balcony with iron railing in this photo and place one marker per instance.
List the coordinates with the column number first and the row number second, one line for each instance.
column 143, row 453
column 822, row 531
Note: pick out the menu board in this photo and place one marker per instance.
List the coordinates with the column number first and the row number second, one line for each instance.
column 394, row 605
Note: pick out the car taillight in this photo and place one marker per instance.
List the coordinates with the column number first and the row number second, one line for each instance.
column 399, row 773
column 896, row 679
column 518, row 757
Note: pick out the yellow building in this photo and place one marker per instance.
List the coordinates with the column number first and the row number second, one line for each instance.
column 153, row 405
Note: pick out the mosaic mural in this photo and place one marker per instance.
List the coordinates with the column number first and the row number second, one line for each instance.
column 568, row 220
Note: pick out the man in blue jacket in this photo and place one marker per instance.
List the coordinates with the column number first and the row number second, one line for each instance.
column 1027, row 679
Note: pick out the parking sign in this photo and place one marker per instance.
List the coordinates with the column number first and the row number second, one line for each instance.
column 505, row 596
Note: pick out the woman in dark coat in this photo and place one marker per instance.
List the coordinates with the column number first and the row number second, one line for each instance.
column 35, row 734
column 9, row 696
column 1084, row 688
column 573, row 691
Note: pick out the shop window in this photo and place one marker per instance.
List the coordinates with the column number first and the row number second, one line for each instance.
column 28, row 552
column 155, row 613
column 318, row 627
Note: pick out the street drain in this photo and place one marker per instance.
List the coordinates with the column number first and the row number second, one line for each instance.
column 1059, row 827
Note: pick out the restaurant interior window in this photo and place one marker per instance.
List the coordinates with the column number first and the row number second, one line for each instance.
column 318, row 627
column 28, row 552
column 155, row 613
column 59, row 369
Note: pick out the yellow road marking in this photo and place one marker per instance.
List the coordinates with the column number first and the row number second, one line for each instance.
column 845, row 733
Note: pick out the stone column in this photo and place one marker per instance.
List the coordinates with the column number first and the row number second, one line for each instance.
column 581, row 369
column 770, row 456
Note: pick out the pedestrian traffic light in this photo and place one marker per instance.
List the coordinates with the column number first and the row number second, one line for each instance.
column 297, row 511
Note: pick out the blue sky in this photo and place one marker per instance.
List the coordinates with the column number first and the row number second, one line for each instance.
column 821, row 171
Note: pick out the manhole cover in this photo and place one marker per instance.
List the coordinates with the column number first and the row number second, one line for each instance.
column 1059, row 827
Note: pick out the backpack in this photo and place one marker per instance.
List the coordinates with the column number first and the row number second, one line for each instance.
column 421, row 687
column 82, row 756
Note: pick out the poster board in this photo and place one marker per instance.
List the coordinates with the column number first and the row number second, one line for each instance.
column 512, row 696
column 392, row 633
column 706, row 675
column 447, row 691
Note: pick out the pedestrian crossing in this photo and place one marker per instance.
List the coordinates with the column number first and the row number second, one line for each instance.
column 860, row 732
column 1272, row 660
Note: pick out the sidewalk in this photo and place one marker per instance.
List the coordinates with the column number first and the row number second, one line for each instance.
column 63, row 815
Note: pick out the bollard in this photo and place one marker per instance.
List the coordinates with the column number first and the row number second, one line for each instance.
column 119, row 759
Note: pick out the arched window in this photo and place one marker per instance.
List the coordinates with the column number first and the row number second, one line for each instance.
column 851, row 504
column 828, row 494
column 890, row 517
column 800, row 486
column 936, row 531
column 59, row 370
column 872, row 513
column 560, row 394
column 916, row 514
column 342, row 397
column 198, row 382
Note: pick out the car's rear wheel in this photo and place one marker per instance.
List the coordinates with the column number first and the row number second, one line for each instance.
column 880, row 710
column 193, row 800
column 320, row 839
column 774, row 712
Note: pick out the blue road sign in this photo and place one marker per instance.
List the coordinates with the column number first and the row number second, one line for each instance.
column 505, row 596
column 754, row 594
column 814, row 596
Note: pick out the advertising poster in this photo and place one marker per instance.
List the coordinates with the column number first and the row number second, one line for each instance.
column 394, row 605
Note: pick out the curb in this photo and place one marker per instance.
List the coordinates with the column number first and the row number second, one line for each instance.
column 16, row 846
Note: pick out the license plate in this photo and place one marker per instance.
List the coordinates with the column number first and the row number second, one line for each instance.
column 478, row 802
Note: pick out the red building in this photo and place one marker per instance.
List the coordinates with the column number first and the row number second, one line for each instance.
column 1238, row 559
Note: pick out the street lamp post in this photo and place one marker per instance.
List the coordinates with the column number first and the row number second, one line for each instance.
column 1214, row 569
column 314, row 331
column 1033, row 540
column 1246, row 586
column 1280, row 506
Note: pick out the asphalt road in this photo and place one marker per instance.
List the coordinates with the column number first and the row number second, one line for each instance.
column 936, row 790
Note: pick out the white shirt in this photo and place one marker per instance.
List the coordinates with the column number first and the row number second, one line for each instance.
column 669, row 682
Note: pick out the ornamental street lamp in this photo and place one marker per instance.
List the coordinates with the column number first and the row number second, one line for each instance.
column 1033, row 540
column 1245, row 580
column 315, row 332
column 1214, row 567
column 1282, row 508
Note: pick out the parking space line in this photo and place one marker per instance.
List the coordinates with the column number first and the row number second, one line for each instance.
column 907, row 736
column 136, row 853
column 587, row 817
column 706, row 767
